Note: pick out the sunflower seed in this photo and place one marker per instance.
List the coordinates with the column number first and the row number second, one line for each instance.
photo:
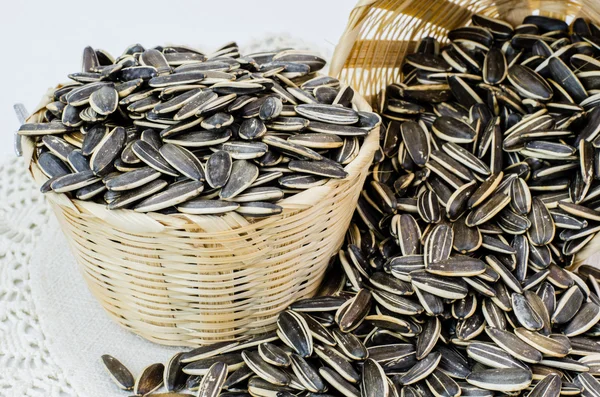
column 513, row 345
column 149, row 380
column 118, row 372
column 218, row 169
column 494, row 67
column 351, row 345
column 238, row 376
column 273, row 355
column 317, row 141
column 320, row 168
column 487, row 188
column 267, row 372
column 241, row 150
column 337, row 362
column 568, row 305
column 417, row 142
column 52, row 166
column 325, row 128
column 453, row 130
column 525, row 313
column 544, row 344
column 134, row 195
column 33, row 129
column 58, row 146
column 327, row 113
column 528, row 83
column 183, row 161
column 374, row 380
column 243, row 174
column 550, row 386
column 338, row 383
column 307, row 375
column 201, row 367
column 172, row 196
column 213, row 381
column 586, row 317
column 174, row 379
column 542, row 227
column 565, row 77
column 295, row 331
column 492, row 356
column 503, row 379
column 289, row 147
column 456, row 266
column 428, row 207
column 252, row 128
column 318, row 330
column 487, row 210
column 352, row 314
column 152, row 157
column 438, row 244
column 105, row 100
column 439, row 286
column 132, row 179
column 409, row 234
column 422, row 369
column 71, row 182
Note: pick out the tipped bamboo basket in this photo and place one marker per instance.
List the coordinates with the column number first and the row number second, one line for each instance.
column 187, row 280
column 380, row 33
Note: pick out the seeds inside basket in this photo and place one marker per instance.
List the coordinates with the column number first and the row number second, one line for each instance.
column 220, row 119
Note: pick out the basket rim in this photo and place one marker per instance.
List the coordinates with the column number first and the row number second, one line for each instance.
column 130, row 220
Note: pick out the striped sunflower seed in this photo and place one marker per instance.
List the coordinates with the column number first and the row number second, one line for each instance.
column 150, row 379
column 504, row 379
column 118, row 372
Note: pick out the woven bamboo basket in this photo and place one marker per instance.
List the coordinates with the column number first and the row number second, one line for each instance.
column 380, row 33
column 188, row 280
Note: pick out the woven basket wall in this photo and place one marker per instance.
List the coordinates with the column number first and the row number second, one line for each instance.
column 187, row 280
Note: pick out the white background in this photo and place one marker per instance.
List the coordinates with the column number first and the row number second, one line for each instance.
column 42, row 40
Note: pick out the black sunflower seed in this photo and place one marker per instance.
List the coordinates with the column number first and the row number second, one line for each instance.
column 118, row 372
column 174, row 195
column 504, row 379
column 149, row 380
column 528, row 83
column 152, row 157
column 183, row 161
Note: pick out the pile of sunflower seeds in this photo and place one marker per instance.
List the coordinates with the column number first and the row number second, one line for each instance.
column 453, row 281
column 171, row 129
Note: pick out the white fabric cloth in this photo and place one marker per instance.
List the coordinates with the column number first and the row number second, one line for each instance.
column 77, row 329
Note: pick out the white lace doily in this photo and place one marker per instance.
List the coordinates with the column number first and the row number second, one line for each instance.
column 52, row 331
column 28, row 368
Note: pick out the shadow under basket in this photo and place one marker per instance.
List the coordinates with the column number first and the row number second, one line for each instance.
column 187, row 280
column 380, row 33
